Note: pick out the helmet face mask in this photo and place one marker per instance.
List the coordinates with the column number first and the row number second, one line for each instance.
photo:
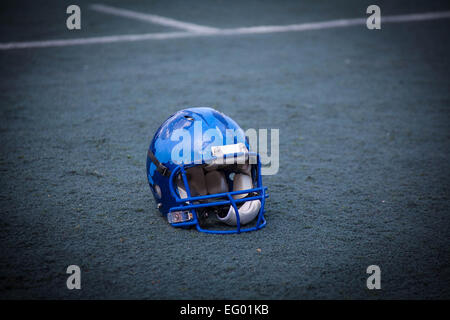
column 223, row 187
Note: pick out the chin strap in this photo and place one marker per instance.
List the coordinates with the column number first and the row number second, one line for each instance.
column 159, row 166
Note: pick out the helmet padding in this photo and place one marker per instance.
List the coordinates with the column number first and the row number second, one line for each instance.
column 196, row 180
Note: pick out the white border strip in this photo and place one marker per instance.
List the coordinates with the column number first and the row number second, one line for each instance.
column 235, row 31
column 151, row 18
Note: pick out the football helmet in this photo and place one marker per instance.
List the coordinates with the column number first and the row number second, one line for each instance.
column 202, row 174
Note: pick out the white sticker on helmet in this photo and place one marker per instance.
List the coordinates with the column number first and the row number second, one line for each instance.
column 223, row 154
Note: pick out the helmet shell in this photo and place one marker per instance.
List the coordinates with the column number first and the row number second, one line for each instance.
column 203, row 126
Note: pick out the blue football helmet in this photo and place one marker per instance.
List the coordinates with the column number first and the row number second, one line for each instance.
column 202, row 174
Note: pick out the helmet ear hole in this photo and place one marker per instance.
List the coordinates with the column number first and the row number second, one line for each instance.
column 157, row 191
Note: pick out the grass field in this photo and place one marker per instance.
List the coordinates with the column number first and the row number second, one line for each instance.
column 364, row 172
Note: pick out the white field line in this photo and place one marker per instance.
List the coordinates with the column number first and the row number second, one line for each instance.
column 223, row 32
column 96, row 40
column 151, row 18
